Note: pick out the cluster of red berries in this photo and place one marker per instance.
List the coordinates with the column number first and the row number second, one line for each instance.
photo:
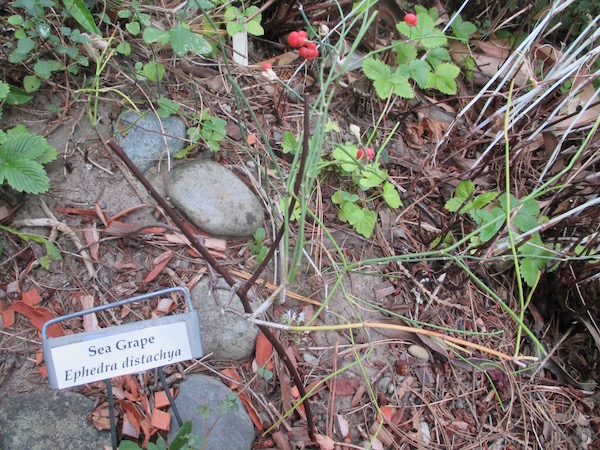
column 307, row 48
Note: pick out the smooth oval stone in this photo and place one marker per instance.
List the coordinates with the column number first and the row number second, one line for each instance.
column 419, row 352
column 214, row 199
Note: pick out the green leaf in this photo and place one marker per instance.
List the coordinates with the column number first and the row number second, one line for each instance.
column 419, row 71
column 25, row 176
column 484, row 199
column 43, row 30
column 375, row 69
column 402, row 87
column 463, row 30
column 391, row 196
column 167, row 107
column 31, row 83
column 21, row 145
column 184, row 41
column 133, row 28
column 234, row 28
column 124, row 14
column 464, row 189
column 255, row 28
column 128, row 445
column 17, row 57
column 124, row 48
column 152, row 35
column 529, row 271
column 331, row 125
column 425, row 32
column 25, row 45
column 453, row 204
column 82, row 15
column 437, row 56
column 289, row 143
column 17, row 96
column 15, row 20
column 405, row 52
column 154, row 71
column 345, row 157
column 489, row 228
column 372, row 176
column 180, row 441
column 44, row 69
column 4, row 90
column 444, row 78
column 362, row 220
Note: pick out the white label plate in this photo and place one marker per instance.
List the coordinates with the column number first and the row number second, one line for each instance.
column 120, row 354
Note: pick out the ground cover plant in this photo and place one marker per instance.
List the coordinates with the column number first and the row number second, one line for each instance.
column 430, row 178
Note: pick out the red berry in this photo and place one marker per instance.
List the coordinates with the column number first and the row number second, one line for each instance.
column 303, row 34
column 293, row 39
column 411, row 19
column 311, row 45
column 267, row 66
column 370, row 154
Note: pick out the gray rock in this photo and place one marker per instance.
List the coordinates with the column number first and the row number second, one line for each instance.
column 49, row 419
column 214, row 199
column 225, row 334
column 144, row 142
column 232, row 430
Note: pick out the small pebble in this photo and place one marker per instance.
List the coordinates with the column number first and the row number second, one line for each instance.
column 310, row 359
column 419, row 352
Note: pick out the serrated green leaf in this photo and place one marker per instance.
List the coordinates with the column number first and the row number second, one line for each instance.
column 437, row 56
column 375, row 69
column 154, row 71
column 401, row 86
column 530, row 271
column 453, row 204
column 405, row 52
column 4, row 90
column 391, row 196
column 464, row 189
column 31, row 83
column 445, row 78
column 25, row 176
column 525, row 222
column 419, row 71
column 231, row 14
column 19, row 145
column 484, row 199
column 463, row 30
column 362, row 220
column 152, row 35
column 425, row 32
column 133, row 28
column 490, row 222
column 184, row 41
column 82, row 15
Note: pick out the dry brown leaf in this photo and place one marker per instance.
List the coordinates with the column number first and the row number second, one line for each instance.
column 251, row 410
column 31, row 297
column 264, row 352
column 92, row 238
column 37, row 315
column 90, row 321
column 160, row 262
column 325, row 442
column 231, row 374
column 161, row 419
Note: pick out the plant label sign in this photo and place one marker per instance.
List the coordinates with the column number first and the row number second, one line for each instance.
column 86, row 357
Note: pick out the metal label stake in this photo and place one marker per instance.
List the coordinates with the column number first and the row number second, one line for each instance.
column 135, row 347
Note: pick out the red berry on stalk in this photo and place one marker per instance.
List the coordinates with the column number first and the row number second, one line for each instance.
column 267, row 66
column 369, row 154
column 411, row 19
